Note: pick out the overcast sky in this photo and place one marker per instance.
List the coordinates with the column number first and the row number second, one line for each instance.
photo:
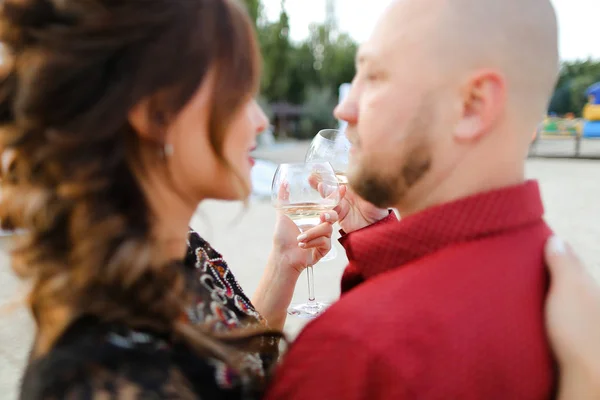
column 579, row 21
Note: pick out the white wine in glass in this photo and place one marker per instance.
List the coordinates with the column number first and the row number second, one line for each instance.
column 306, row 215
column 341, row 177
column 303, row 192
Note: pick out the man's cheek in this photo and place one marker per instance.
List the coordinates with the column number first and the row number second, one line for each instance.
column 372, row 134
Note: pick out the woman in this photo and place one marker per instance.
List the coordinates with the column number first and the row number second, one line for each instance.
column 122, row 116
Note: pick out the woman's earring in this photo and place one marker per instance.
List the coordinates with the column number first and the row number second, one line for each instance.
column 168, row 150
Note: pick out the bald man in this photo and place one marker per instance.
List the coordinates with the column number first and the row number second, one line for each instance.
column 448, row 302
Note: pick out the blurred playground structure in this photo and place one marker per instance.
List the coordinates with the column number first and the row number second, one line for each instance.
column 591, row 113
column 579, row 130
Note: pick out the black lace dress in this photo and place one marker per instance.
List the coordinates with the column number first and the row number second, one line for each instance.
column 94, row 360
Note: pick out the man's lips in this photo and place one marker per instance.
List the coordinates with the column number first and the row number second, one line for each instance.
column 351, row 136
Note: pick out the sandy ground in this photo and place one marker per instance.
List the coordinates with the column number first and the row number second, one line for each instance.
column 571, row 190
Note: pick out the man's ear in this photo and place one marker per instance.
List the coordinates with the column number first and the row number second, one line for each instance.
column 483, row 102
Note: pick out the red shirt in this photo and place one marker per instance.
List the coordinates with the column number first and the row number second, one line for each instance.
column 445, row 304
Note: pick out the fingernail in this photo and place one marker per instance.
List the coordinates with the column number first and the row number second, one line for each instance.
column 558, row 246
column 327, row 217
column 302, row 245
column 301, row 237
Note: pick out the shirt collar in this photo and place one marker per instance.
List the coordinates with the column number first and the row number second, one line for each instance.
column 380, row 248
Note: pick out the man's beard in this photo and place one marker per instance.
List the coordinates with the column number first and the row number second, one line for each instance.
column 386, row 189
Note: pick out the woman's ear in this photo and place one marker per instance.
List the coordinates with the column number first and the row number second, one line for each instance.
column 138, row 118
column 147, row 121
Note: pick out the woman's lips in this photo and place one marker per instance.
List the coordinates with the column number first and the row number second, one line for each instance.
column 250, row 158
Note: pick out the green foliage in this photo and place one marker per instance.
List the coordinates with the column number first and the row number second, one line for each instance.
column 322, row 60
column 301, row 73
column 311, row 72
column 318, row 109
column 561, row 102
column 254, row 9
column 338, row 64
column 575, row 77
column 308, row 73
column 277, row 51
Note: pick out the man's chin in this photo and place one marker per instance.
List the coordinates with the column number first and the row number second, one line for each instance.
column 352, row 177
column 371, row 189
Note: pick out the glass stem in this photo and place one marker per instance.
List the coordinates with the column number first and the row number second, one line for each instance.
column 311, row 285
column 310, row 277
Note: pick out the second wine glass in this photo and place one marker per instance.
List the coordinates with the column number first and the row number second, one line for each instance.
column 303, row 192
column 332, row 146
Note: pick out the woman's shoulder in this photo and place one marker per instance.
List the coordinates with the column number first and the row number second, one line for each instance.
column 196, row 243
column 95, row 360
column 220, row 300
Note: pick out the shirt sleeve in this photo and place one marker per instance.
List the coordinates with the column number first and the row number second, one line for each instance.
column 352, row 274
column 390, row 218
column 334, row 366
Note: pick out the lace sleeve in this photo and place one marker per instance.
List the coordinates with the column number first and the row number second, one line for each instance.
column 99, row 383
column 95, row 381
column 220, row 301
column 96, row 360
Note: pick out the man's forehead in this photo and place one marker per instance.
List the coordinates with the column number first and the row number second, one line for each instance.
column 409, row 7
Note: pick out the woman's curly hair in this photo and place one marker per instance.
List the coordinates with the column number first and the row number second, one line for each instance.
column 74, row 70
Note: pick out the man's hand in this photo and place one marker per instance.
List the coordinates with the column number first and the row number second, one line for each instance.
column 355, row 213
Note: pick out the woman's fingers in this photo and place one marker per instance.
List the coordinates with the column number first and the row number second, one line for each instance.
column 572, row 310
column 322, row 243
column 324, row 230
column 314, row 179
column 561, row 259
column 284, row 192
column 330, row 217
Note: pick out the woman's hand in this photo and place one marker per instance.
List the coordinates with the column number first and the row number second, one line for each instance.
column 299, row 250
column 292, row 253
column 573, row 322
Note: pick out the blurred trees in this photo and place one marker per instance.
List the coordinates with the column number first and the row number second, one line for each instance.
column 575, row 77
column 310, row 72
column 254, row 9
column 307, row 73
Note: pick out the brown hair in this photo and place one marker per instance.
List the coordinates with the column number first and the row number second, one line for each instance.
column 77, row 68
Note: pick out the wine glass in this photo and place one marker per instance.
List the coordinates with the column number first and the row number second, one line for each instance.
column 331, row 145
column 304, row 191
